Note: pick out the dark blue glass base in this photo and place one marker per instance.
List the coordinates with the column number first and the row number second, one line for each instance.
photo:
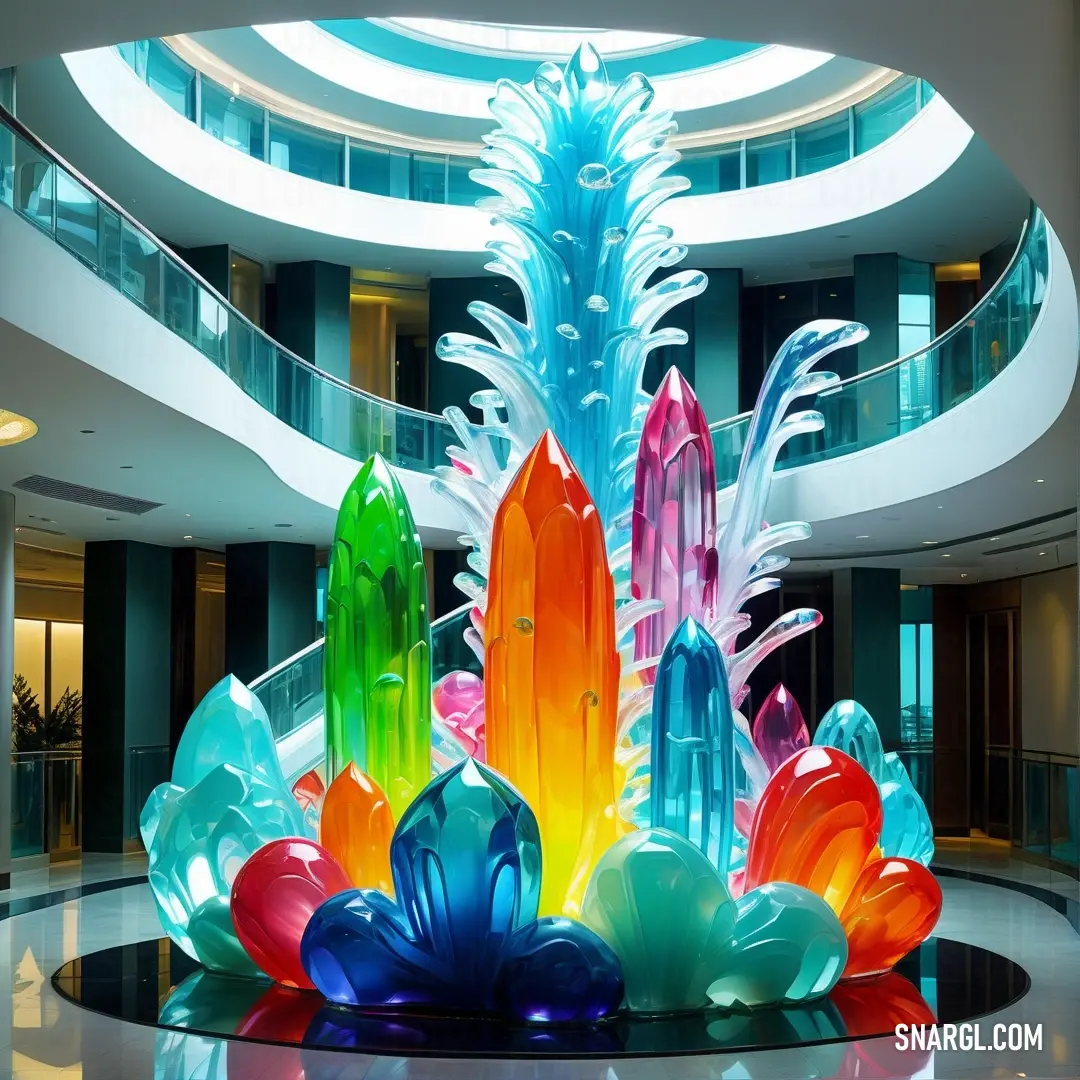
column 943, row 981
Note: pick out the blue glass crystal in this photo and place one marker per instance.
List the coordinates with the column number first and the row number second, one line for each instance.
column 466, row 861
column 228, row 727
column 693, row 744
column 202, row 838
column 557, row 970
column 906, row 831
column 787, row 946
column 850, row 728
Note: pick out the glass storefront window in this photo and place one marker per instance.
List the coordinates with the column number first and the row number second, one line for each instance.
column 822, row 145
column 171, row 79
column 429, row 178
column 768, row 159
column 306, row 151
column 235, row 122
column 883, row 115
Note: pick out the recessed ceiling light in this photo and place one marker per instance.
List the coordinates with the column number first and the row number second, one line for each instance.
column 187, row 538
column 1040, row 481
column 995, row 537
column 127, row 466
column 832, row 295
column 1042, row 552
column 946, row 555
column 107, row 518
column 15, row 428
column 963, row 575
column 782, row 296
column 929, row 541
column 843, row 236
column 187, row 515
column 283, row 526
column 86, row 431
column 941, row 508
column 865, row 536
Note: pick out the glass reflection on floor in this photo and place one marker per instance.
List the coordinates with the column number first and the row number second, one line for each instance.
column 283, row 1032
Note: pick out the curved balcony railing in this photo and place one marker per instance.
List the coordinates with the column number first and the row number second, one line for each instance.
column 45, row 190
column 895, row 398
column 334, row 157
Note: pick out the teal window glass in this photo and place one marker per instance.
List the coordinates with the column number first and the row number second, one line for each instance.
column 34, row 180
column 915, row 330
column 7, row 88
column 7, row 167
column 822, row 145
column 461, row 189
column 429, row 178
column 76, row 219
column 768, row 159
column 909, row 681
column 140, row 268
column 882, row 116
column 703, row 172
column 134, row 54
column 369, row 169
column 171, row 79
column 233, row 121
column 306, row 151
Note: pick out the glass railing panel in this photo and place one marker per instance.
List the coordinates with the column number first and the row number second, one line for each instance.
column 232, row 120
column 179, row 308
column 263, row 372
column 768, row 159
column 35, row 178
column 63, row 808
column 148, row 766
column 111, row 259
column 77, row 219
column 134, row 54
column 171, row 79
column 7, row 167
column 461, row 189
column 883, row 115
column 292, row 693
column 240, row 341
column 210, row 330
column 1063, row 811
column 140, row 269
column 428, row 180
column 370, row 169
column 822, row 145
column 27, row 805
column 307, row 151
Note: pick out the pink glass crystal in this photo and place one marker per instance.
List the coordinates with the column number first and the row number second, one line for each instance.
column 779, row 728
column 309, row 790
column 673, row 550
column 458, row 698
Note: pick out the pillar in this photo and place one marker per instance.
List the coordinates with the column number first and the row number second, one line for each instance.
column 866, row 644
column 126, row 686
column 312, row 314
column 7, row 671
column 270, row 605
column 716, row 344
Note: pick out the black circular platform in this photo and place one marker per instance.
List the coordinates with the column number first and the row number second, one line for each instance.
column 154, row 983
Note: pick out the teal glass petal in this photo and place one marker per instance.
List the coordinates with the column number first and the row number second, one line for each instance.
column 228, row 727
column 203, row 836
column 906, row 831
column 787, row 946
column 849, row 727
column 214, row 939
column 666, row 912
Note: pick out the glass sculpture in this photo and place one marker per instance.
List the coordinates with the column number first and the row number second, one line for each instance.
column 592, row 827
column 377, row 666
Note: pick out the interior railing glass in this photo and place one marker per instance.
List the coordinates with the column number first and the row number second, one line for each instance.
column 873, row 406
column 43, row 189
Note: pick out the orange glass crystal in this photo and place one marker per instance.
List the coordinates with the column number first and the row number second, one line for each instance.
column 356, row 826
column 892, row 908
column 816, row 824
column 551, row 670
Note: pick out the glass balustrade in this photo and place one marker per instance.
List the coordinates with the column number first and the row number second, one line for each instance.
column 899, row 397
column 46, row 803
column 52, row 196
column 335, row 158
column 148, row 766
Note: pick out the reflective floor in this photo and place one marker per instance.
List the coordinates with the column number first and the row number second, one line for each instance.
column 43, row 1035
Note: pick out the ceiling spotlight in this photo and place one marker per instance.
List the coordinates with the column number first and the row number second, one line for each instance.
column 283, row 526
column 15, row 428
column 946, row 556
column 963, row 575
column 929, row 541
column 865, row 536
column 188, row 538
column 1042, row 552
column 1040, row 481
column 995, row 537
column 941, row 508
column 86, row 431
column 127, row 466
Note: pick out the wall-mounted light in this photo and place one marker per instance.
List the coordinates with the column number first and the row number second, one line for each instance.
column 15, row 428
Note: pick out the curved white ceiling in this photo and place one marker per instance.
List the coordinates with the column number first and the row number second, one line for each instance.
column 332, row 59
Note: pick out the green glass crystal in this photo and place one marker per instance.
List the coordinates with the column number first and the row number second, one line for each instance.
column 377, row 659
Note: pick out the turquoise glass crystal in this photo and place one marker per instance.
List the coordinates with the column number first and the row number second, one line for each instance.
column 665, row 910
column 693, row 744
column 462, row 934
column 201, row 838
column 787, row 946
column 906, row 831
column 849, row 727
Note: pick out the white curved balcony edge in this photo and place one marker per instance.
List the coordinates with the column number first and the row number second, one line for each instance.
column 962, row 446
column 50, row 295
column 912, row 159
column 332, row 59
column 918, row 154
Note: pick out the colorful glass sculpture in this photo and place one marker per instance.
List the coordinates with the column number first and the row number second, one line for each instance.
column 377, row 657
column 458, row 700
column 892, row 907
column 466, row 867
column 551, row 671
column 693, row 745
column 356, row 827
column 203, row 838
column 787, row 946
column 779, row 728
column 664, row 909
column 906, row 831
column 274, row 895
column 816, row 824
column 849, row 727
column 673, row 550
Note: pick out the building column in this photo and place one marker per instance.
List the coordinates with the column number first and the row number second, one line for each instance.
column 866, row 645
column 716, row 344
column 312, row 314
column 126, row 686
column 270, row 602
column 7, row 671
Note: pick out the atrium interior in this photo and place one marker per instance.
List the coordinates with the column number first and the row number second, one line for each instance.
column 540, row 550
